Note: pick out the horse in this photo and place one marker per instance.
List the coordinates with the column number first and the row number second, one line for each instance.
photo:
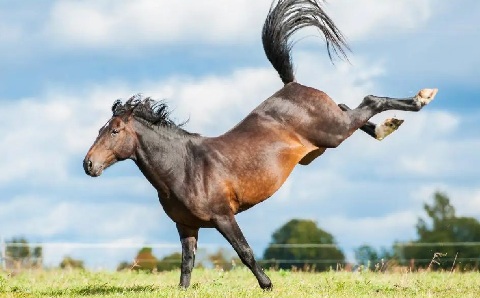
column 203, row 182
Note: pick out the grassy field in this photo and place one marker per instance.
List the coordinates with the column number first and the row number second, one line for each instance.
column 238, row 283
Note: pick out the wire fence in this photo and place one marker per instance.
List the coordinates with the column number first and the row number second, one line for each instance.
column 111, row 255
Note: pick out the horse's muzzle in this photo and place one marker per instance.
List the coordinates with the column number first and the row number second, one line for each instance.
column 90, row 169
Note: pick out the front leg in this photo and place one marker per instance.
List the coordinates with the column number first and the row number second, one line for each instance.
column 228, row 227
column 188, row 238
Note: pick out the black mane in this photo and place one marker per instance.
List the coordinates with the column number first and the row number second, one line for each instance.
column 147, row 109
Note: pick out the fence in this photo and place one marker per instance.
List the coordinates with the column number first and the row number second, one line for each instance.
column 444, row 255
column 110, row 255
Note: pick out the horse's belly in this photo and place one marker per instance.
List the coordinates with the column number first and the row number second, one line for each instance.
column 262, row 182
column 190, row 213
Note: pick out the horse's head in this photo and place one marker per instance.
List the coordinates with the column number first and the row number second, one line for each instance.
column 116, row 141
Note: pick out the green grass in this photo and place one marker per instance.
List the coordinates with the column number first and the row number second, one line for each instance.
column 238, row 283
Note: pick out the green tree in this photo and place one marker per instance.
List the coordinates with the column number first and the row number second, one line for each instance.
column 443, row 226
column 124, row 265
column 170, row 262
column 375, row 260
column 71, row 263
column 19, row 253
column 366, row 256
column 291, row 253
column 145, row 260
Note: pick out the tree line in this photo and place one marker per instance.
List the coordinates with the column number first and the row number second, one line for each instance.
column 443, row 241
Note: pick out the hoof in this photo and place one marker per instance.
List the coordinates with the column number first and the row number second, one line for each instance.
column 387, row 127
column 425, row 96
column 182, row 288
column 267, row 288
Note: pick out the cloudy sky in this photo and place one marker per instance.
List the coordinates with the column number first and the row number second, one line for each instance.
column 63, row 63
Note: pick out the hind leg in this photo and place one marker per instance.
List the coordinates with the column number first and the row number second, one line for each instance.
column 413, row 104
column 345, row 124
column 379, row 104
column 377, row 131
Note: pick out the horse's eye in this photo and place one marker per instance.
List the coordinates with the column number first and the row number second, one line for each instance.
column 114, row 132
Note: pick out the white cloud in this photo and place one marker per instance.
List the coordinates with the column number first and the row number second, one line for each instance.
column 377, row 231
column 466, row 200
column 374, row 18
column 46, row 217
column 214, row 104
column 126, row 25
column 343, row 82
column 31, row 145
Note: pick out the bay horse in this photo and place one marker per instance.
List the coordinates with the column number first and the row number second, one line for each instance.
column 202, row 182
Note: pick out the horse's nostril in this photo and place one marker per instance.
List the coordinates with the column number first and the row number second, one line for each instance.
column 87, row 165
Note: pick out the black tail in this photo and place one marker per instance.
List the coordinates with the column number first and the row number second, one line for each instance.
column 284, row 19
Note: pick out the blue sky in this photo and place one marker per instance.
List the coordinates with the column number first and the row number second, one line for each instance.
column 63, row 63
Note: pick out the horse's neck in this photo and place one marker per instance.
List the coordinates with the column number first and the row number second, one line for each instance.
column 160, row 155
